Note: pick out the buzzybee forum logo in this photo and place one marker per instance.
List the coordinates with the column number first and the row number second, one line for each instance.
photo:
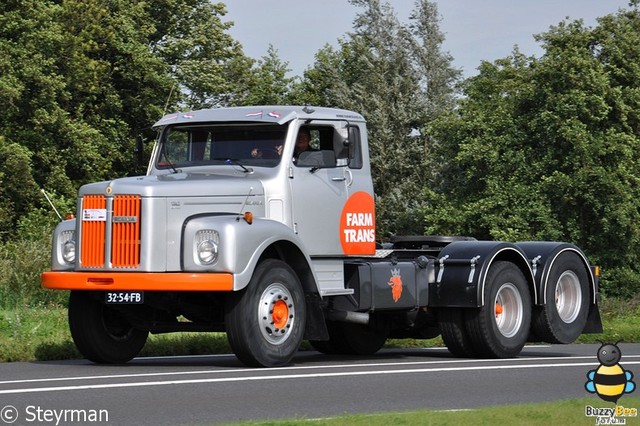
column 610, row 381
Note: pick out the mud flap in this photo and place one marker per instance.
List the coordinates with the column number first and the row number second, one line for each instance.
column 594, row 322
column 316, row 325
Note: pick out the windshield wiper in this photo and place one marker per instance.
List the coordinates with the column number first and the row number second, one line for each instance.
column 166, row 157
column 239, row 164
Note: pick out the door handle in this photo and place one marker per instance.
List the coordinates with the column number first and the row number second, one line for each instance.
column 338, row 179
column 349, row 176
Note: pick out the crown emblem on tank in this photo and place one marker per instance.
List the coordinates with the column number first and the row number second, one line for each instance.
column 395, row 282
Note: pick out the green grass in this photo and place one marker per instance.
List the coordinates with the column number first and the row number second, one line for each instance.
column 186, row 344
column 621, row 321
column 42, row 333
column 567, row 412
column 28, row 333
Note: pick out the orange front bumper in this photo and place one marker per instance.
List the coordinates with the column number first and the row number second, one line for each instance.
column 142, row 281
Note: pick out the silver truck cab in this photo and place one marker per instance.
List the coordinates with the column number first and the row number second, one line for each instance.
column 244, row 160
column 208, row 167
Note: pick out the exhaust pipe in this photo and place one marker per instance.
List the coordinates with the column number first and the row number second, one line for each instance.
column 348, row 316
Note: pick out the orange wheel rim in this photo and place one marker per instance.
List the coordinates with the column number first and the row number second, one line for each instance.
column 276, row 314
column 280, row 314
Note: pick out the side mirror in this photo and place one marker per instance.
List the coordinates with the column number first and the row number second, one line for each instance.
column 139, row 150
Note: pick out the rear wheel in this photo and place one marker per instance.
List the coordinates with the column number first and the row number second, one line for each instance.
column 101, row 333
column 265, row 322
column 500, row 328
column 363, row 340
column 564, row 315
column 454, row 333
column 336, row 345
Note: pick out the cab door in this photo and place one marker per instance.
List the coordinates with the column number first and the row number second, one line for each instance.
column 358, row 217
column 318, row 192
column 332, row 192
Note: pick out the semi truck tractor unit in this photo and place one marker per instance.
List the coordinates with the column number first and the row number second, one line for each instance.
column 260, row 222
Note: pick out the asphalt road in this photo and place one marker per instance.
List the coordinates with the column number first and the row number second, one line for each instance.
column 211, row 389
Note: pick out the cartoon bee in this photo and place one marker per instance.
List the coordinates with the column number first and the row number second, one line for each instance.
column 610, row 381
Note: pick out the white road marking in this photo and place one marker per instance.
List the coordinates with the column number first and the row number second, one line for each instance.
column 298, row 376
column 306, row 367
column 166, row 357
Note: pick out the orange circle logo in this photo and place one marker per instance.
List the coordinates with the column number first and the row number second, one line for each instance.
column 358, row 225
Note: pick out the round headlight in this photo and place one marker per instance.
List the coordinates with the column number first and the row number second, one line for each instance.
column 207, row 252
column 69, row 251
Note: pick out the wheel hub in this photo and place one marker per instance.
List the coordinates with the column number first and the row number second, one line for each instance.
column 280, row 314
column 509, row 310
column 568, row 296
column 276, row 313
column 116, row 326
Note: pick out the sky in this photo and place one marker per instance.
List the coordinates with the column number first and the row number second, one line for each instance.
column 475, row 30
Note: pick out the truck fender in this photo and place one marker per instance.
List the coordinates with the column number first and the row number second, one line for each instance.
column 564, row 322
column 542, row 255
column 461, row 271
column 242, row 245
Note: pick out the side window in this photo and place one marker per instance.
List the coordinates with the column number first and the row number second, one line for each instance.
column 308, row 139
column 355, row 148
column 314, row 147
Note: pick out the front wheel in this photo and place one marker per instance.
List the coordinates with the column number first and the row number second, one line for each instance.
column 265, row 322
column 101, row 333
column 500, row 328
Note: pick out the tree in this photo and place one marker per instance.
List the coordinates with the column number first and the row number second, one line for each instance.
column 80, row 79
column 18, row 191
column 266, row 83
column 547, row 148
column 205, row 61
column 399, row 79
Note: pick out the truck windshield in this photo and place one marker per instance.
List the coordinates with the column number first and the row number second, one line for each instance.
column 201, row 145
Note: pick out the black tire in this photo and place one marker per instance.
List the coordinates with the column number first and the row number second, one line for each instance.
column 265, row 322
column 337, row 343
column 454, row 333
column 500, row 328
column 351, row 339
column 101, row 333
column 326, row 347
column 564, row 315
column 363, row 340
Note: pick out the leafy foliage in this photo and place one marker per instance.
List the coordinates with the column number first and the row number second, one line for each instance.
column 398, row 78
column 269, row 84
column 80, row 79
column 547, row 148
